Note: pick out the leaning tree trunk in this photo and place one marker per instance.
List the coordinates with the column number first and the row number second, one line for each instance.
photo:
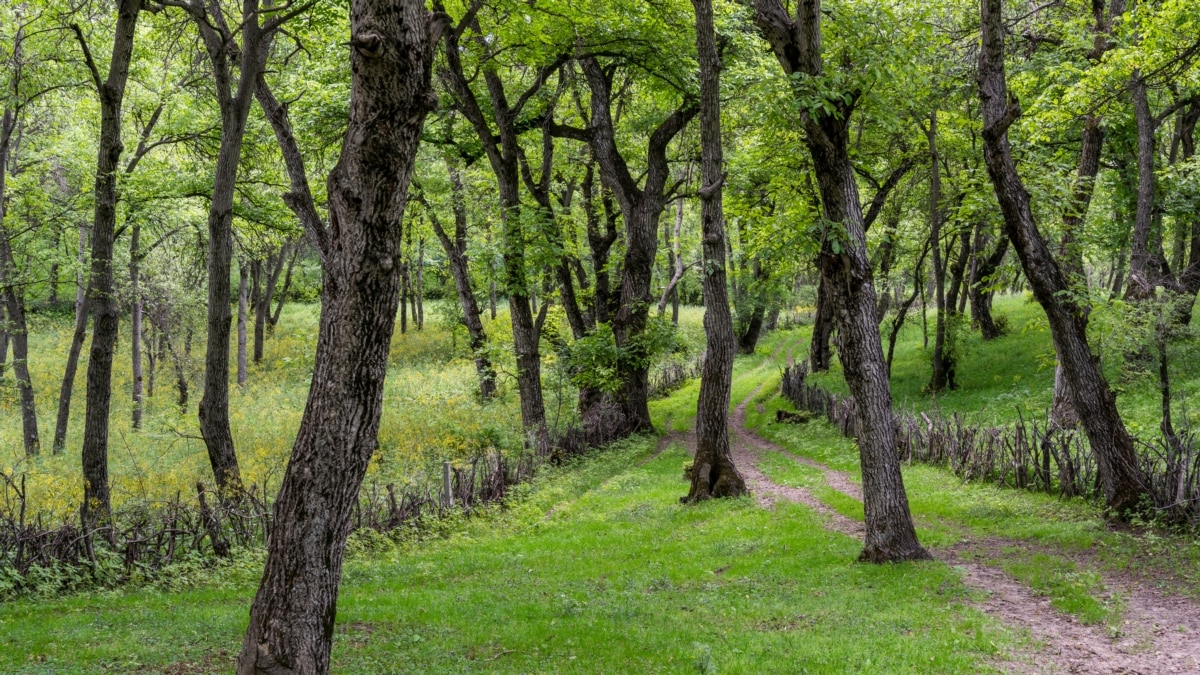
column 1094, row 401
column 101, row 292
column 292, row 618
column 846, row 270
column 456, row 253
column 713, row 471
column 77, row 339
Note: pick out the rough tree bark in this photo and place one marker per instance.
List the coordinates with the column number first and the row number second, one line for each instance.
column 241, row 325
column 713, row 471
column 292, row 618
column 980, row 296
column 943, row 363
column 100, row 288
column 1093, row 399
column 890, row 535
column 640, row 207
column 234, row 95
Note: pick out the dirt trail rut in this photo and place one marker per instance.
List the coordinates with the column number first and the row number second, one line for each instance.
column 1159, row 633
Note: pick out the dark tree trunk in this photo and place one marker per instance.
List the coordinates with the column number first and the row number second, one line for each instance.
column 3, row 339
column 18, row 336
column 281, row 294
column 100, row 292
column 943, row 362
column 890, row 535
column 420, row 286
column 234, row 97
column 600, row 242
column 77, row 339
column 713, row 471
column 1143, row 276
column 981, row 297
column 1190, row 277
column 456, row 253
column 1093, row 400
column 641, row 207
column 292, row 618
column 820, row 356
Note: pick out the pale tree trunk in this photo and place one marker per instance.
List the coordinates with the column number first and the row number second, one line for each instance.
column 100, row 290
column 292, row 619
column 1094, row 401
column 890, row 535
column 713, row 471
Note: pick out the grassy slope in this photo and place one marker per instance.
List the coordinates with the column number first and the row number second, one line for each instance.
column 596, row 569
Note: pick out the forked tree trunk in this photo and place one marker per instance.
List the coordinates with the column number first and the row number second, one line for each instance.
column 713, row 471
column 1094, row 402
column 101, row 293
column 292, row 618
column 980, row 296
column 641, row 207
column 234, row 97
column 890, row 535
column 18, row 335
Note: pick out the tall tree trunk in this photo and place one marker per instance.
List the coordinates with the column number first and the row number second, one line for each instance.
column 241, row 326
column 713, row 471
column 18, row 335
column 943, row 363
column 234, row 97
column 135, row 333
column 3, row 339
column 420, row 313
column 1094, row 402
column 1142, row 275
column 640, row 207
column 890, row 535
column 101, row 293
column 292, row 619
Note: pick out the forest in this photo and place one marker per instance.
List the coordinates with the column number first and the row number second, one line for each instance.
column 522, row 336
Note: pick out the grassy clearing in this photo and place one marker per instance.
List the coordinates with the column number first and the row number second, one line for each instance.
column 596, row 567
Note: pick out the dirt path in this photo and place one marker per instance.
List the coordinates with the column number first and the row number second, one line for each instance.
column 1159, row 633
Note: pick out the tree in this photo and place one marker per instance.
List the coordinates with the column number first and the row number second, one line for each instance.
column 713, row 471
column 292, row 618
column 1094, row 402
column 846, row 273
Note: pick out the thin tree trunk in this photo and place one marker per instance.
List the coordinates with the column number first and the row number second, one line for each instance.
column 890, row 535
column 18, row 336
column 292, row 619
column 241, row 327
column 981, row 303
column 1142, row 275
column 282, row 293
column 713, row 471
column 135, row 333
column 420, row 312
column 82, row 314
column 456, row 253
column 1095, row 403
column 943, row 362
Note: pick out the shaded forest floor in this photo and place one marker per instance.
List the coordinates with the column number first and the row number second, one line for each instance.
column 596, row 567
